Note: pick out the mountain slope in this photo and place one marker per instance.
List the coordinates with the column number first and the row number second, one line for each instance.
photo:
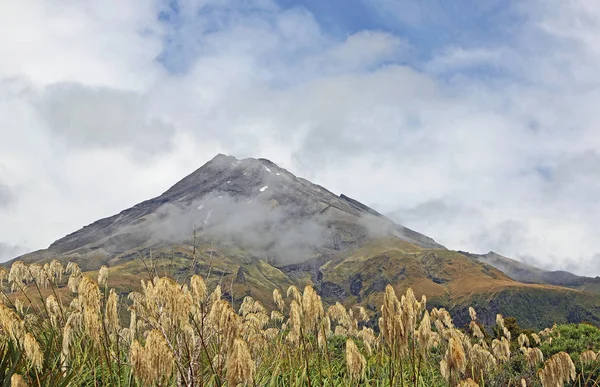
column 251, row 226
column 253, row 201
column 523, row 272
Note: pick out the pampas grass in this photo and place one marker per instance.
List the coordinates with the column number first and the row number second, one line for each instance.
column 182, row 334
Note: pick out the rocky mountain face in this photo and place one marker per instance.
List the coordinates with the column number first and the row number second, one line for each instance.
column 251, row 226
column 252, row 203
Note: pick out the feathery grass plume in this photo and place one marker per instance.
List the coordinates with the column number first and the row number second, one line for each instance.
column 467, row 383
column 324, row 331
column 75, row 276
column 501, row 349
column 533, row 356
column 12, row 325
column 73, row 268
column 154, row 362
column 369, row 339
column 18, row 272
column 500, row 321
column 507, row 334
column 443, row 316
column 339, row 314
column 19, row 306
column 523, row 340
column 410, row 307
column 53, row 310
column 19, row 275
column 199, row 290
column 277, row 316
column 312, row 309
column 132, row 324
column 215, row 295
column 33, row 351
column 472, row 313
column 239, row 364
column 588, row 357
column 73, row 282
column 454, row 362
column 536, row 338
column 477, row 333
column 362, row 314
column 56, row 270
column 74, row 324
column 294, row 322
column 558, row 370
column 326, row 325
column 523, row 383
column 247, row 306
column 224, row 321
column 166, row 303
column 3, row 275
column 481, row 360
column 89, row 297
column 35, row 271
column 294, row 293
column 39, row 275
column 111, row 314
column 103, row 276
column 271, row 333
column 389, row 310
column 426, row 338
column 17, row 380
column 254, row 322
column 356, row 363
column 278, row 299
column 340, row 331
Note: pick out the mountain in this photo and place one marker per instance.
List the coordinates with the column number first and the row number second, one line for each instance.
column 523, row 272
column 252, row 226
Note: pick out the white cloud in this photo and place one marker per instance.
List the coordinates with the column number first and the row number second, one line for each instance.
column 94, row 124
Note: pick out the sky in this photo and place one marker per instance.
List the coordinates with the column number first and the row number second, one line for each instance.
column 474, row 122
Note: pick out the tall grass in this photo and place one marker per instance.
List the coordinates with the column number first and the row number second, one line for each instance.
column 75, row 331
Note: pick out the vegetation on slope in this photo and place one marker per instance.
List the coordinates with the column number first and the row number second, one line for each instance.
column 77, row 331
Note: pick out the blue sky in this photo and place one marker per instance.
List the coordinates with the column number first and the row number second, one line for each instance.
column 427, row 26
column 473, row 122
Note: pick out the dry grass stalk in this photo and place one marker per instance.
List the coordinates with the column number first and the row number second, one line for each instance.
column 558, row 370
column 199, row 289
column 278, row 299
column 533, row 356
column 17, row 380
column 355, row 362
column 239, row 364
column 454, row 362
column 501, row 349
column 154, row 362
column 467, row 383
column 472, row 313
column 588, row 357
column 103, row 276
column 111, row 314
column 89, row 298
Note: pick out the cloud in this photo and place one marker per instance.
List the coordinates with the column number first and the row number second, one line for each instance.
column 6, row 195
column 8, row 251
column 86, row 116
column 483, row 141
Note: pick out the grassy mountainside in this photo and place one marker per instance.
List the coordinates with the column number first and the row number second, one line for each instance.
column 78, row 331
column 358, row 276
column 257, row 227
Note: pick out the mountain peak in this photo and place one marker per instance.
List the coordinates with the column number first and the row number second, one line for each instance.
column 249, row 201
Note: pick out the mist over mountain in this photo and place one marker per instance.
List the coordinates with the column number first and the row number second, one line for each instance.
column 251, row 203
column 255, row 226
